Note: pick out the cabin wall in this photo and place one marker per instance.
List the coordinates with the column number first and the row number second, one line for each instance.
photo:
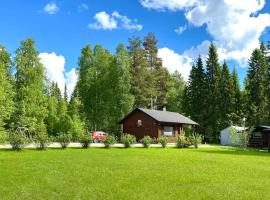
column 149, row 125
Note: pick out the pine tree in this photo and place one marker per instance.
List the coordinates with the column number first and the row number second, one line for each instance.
column 65, row 94
column 158, row 76
column 139, row 74
column 6, row 89
column 30, row 87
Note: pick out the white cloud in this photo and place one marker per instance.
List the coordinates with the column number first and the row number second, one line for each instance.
column 235, row 26
column 173, row 5
column 106, row 21
column 71, row 80
column 55, row 69
column 51, row 8
column 180, row 29
column 174, row 61
column 126, row 22
column 83, row 7
column 103, row 21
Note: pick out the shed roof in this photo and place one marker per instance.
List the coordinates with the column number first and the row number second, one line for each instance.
column 166, row 116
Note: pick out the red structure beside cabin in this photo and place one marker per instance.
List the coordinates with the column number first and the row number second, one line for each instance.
column 155, row 123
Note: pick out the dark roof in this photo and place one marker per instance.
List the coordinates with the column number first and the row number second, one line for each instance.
column 165, row 116
column 262, row 128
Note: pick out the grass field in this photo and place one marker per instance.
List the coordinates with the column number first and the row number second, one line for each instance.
column 136, row 173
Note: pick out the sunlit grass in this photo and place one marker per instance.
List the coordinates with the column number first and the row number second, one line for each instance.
column 135, row 173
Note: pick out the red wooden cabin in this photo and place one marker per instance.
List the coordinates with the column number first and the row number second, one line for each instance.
column 155, row 123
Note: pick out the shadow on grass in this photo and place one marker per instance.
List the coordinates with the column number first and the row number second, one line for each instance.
column 237, row 152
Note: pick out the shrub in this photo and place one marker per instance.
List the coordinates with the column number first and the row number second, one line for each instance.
column 240, row 138
column 64, row 139
column 85, row 140
column 163, row 140
column 181, row 141
column 127, row 140
column 146, row 141
column 3, row 137
column 17, row 140
column 155, row 140
column 109, row 140
column 41, row 139
column 195, row 140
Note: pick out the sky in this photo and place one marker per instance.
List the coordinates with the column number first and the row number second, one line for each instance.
column 184, row 29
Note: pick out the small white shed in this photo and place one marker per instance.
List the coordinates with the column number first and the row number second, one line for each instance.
column 225, row 135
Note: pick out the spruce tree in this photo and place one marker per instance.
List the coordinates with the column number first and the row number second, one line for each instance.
column 256, row 89
column 197, row 95
column 213, row 77
column 226, row 101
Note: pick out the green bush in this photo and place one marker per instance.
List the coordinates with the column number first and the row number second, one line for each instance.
column 85, row 140
column 127, row 140
column 41, row 139
column 182, row 141
column 3, row 137
column 17, row 140
column 195, row 140
column 109, row 140
column 64, row 139
column 163, row 140
column 146, row 141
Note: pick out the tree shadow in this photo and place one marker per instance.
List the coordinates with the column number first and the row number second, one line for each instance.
column 237, row 152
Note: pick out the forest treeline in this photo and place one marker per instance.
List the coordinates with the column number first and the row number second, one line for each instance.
column 110, row 85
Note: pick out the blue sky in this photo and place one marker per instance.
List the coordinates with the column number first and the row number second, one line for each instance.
column 61, row 28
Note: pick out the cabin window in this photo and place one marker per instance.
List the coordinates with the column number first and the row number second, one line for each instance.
column 168, row 131
column 139, row 123
column 257, row 135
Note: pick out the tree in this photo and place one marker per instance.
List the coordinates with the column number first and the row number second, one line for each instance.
column 30, row 86
column 6, row 89
column 237, row 101
column 158, row 76
column 256, row 89
column 139, row 74
column 213, row 76
column 195, row 101
column 175, row 93
column 122, row 103
column 227, row 98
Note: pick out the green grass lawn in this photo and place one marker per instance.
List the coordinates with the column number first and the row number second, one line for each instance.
column 136, row 173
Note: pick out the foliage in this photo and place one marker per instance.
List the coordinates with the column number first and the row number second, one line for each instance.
column 182, row 141
column 17, row 140
column 240, row 138
column 3, row 137
column 30, row 87
column 128, row 139
column 109, row 140
column 163, row 140
column 195, row 140
column 146, row 141
column 41, row 139
column 85, row 140
column 6, row 89
column 64, row 139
